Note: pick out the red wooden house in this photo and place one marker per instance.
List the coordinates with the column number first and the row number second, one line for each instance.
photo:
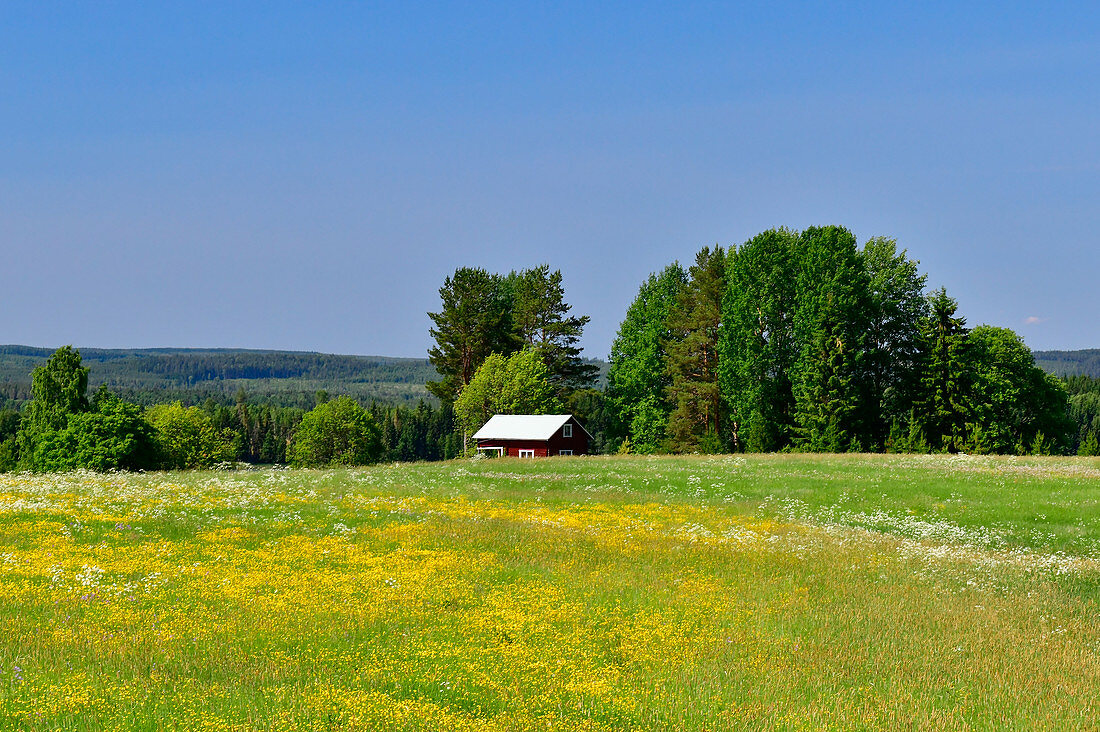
column 533, row 435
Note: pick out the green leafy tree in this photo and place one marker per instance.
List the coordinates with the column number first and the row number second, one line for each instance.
column 337, row 432
column 541, row 322
column 756, row 347
column 58, row 391
column 692, row 359
column 830, row 327
column 637, row 377
column 942, row 406
column 475, row 321
column 1011, row 400
column 898, row 307
column 114, row 436
column 186, row 437
column 516, row 384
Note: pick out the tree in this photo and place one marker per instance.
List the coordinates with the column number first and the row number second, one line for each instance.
column 830, row 327
column 942, row 405
column 9, row 431
column 473, row 323
column 637, row 375
column 756, row 347
column 186, row 437
column 114, row 436
column 692, row 361
column 897, row 309
column 541, row 321
column 337, row 432
column 58, row 390
column 1011, row 400
column 516, row 384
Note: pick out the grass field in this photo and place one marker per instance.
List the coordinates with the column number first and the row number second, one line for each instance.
column 761, row 592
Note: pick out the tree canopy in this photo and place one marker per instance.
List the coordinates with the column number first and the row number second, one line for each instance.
column 516, row 384
column 338, row 432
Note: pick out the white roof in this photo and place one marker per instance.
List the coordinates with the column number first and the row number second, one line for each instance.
column 522, row 426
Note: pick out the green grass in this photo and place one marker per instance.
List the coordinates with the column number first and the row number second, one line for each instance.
column 724, row 592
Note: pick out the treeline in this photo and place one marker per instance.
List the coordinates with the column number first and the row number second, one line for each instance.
column 281, row 378
column 1085, row 362
column 806, row 341
column 61, row 428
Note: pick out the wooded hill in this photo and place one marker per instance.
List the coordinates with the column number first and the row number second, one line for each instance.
column 1085, row 362
column 193, row 375
column 281, row 378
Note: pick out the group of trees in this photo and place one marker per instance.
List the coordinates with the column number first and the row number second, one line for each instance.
column 60, row 428
column 792, row 340
column 804, row 340
column 508, row 344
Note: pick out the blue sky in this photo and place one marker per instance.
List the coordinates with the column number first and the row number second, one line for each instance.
column 287, row 176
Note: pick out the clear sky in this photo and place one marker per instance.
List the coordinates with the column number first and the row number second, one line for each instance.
column 304, row 175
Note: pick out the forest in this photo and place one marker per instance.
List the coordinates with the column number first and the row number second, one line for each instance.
column 279, row 378
column 791, row 341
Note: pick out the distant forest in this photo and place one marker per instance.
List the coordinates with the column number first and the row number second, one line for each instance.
column 1070, row 363
column 193, row 376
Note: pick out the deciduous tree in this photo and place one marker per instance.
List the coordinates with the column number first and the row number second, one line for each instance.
column 757, row 347
column 516, row 384
column 638, row 377
column 830, row 327
column 338, row 432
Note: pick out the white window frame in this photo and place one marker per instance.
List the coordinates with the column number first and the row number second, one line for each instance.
column 490, row 450
column 567, row 430
column 565, row 452
column 526, row 453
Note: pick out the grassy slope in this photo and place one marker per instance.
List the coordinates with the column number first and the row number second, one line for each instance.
column 794, row 592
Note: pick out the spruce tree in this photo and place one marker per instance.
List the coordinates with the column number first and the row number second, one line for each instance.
column 943, row 405
column 830, row 325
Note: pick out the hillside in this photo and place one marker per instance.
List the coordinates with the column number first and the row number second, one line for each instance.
column 286, row 378
column 1070, row 363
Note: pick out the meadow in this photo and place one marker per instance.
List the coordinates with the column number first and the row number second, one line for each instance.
column 694, row 593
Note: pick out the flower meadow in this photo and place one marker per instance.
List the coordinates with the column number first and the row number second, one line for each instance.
column 601, row 593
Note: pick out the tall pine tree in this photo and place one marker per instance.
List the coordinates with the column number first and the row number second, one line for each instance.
column 474, row 322
column 541, row 322
column 692, row 364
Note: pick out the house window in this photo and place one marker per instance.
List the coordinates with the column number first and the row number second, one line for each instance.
column 527, row 453
column 565, row 452
column 567, row 431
